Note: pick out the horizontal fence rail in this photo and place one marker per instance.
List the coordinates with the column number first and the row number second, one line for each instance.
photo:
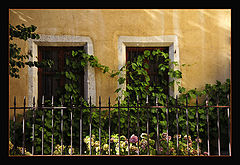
column 132, row 143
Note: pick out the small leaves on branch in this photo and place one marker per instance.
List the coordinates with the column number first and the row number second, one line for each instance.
column 17, row 60
column 76, row 63
column 139, row 78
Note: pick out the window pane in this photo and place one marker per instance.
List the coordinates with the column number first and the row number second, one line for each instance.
column 51, row 82
column 132, row 54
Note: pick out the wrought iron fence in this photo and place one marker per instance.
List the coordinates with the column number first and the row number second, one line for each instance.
column 184, row 109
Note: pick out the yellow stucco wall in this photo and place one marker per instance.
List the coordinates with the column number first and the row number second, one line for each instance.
column 204, row 39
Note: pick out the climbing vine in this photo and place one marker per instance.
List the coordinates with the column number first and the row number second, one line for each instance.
column 18, row 60
column 75, row 64
column 138, row 77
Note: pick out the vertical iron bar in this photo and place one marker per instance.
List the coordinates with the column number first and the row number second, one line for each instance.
column 43, row 113
column 100, row 125
column 128, row 126
column 147, row 125
column 52, row 126
column 138, row 127
column 71, row 118
column 109, row 126
column 229, row 136
column 157, row 144
column 33, row 126
column 90, row 125
column 197, row 126
column 218, row 125
column 187, row 124
column 80, row 128
column 119, row 125
column 208, row 140
column 167, row 125
column 177, row 124
column 14, row 126
column 62, row 126
column 23, row 140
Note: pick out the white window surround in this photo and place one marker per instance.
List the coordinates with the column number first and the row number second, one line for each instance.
column 170, row 41
column 61, row 41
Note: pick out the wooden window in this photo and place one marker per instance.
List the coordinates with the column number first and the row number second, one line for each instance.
column 50, row 80
column 132, row 52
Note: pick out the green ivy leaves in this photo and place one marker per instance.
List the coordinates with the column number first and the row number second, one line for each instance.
column 23, row 32
column 17, row 60
column 70, row 75
column 175, row 73
column 75, row 65
column 139, row 78
column 121, row 80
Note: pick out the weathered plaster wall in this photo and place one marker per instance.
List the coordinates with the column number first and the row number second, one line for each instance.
column 204, row 39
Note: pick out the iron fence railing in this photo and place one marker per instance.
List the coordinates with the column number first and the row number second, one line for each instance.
column 177, row 108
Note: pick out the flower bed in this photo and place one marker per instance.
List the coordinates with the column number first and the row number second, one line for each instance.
column 167, row 145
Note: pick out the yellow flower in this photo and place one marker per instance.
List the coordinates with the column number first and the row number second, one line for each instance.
column 105, row 147
column 10, row 145
column 69, row 150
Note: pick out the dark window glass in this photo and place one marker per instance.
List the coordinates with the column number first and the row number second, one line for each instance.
column 133, row 52
column 50, row 80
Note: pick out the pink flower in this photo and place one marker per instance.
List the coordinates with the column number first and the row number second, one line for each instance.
column 161, row 149
column 205, row 153
column 169, row 138
column 133, row 139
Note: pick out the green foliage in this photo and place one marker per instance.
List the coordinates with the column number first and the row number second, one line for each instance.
column 218, row 91
column 17, row 60
column 75, row 64
column 217, row 94
column 139, row 78
column 23, row 32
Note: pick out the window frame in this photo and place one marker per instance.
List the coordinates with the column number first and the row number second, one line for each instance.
column 61, row 41
column 170, row 41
